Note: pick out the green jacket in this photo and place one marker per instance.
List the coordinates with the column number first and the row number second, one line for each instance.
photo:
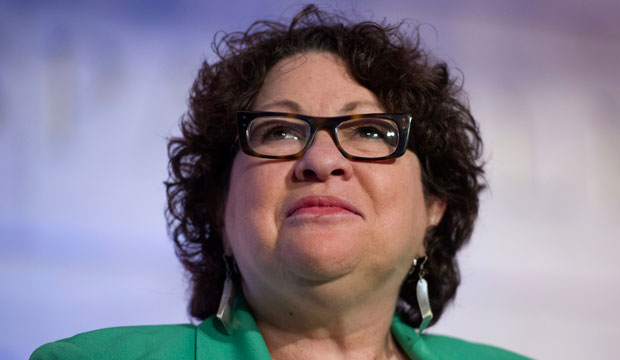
column 209, row 341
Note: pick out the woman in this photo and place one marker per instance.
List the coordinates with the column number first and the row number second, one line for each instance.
column 326, row 176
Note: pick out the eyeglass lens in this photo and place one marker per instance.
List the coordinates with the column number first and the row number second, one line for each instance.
column 364, row 137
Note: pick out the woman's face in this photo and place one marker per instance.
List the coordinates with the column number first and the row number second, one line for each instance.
column 324, row 223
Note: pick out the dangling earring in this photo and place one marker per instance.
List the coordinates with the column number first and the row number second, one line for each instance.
column 423, row 299
column 224, row 311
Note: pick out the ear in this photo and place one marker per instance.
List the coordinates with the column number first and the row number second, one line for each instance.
column 435, row 208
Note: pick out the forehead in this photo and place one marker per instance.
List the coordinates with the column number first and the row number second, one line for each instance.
column 318, row 83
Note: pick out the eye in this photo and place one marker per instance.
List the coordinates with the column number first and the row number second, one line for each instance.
column 369, row 130
column 275, row 130
column 280, row 133
column 372, row 132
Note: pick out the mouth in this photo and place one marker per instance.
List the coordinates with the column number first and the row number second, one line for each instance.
column 318, row 205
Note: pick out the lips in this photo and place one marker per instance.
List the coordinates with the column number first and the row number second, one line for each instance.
column 322, row 205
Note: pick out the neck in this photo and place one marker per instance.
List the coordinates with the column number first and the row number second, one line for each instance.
column 306, row 326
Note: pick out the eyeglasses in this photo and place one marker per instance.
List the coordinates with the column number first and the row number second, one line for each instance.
column 368, row 137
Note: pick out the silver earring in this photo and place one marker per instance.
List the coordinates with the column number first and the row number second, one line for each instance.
column 224, row 311
column 423, row 299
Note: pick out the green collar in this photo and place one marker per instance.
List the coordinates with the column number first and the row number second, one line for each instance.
column 246, row 342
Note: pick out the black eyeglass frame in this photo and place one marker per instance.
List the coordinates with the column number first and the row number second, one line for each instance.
column 403, row 122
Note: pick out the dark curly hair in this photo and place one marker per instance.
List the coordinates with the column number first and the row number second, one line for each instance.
column 381, row 57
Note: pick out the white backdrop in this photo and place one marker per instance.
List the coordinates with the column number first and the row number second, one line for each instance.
column 89, row 94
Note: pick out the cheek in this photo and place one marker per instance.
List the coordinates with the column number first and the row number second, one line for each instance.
column 400, row 207
column 237, row 201
column 251, row 206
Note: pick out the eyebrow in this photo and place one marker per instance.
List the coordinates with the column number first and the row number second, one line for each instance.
column 293, row 106
column 288, row 104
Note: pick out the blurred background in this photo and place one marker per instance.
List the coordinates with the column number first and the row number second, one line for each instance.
column 89, row 93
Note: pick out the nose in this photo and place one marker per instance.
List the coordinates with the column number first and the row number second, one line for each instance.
column 322, row 161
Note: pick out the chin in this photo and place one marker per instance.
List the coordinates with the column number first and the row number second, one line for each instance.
column 335, row 286
column 321, row 257
column 317, row 269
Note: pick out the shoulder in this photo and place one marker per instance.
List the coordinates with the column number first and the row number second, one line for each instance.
column 128, row 342
column 435, row 347
column 445, row 347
